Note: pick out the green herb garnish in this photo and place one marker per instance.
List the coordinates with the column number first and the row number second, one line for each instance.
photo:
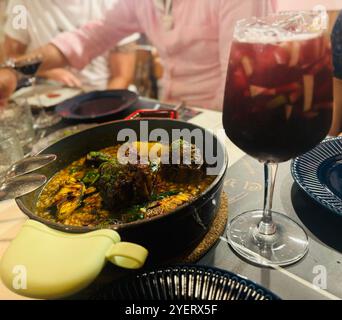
column 164, row 195
column 91, row 177
column 74, row 170
column 98, row 157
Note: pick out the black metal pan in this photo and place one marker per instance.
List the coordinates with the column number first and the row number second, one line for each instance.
column 166, row 236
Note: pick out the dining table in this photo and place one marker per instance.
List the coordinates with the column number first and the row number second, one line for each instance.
column 317, row 276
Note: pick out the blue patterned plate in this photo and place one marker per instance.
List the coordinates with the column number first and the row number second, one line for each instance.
column 319, row 173
column 177, row 283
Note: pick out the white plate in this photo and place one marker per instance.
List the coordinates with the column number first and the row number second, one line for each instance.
column 48, row 95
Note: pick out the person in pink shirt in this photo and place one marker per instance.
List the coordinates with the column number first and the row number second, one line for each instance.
column 192, row 37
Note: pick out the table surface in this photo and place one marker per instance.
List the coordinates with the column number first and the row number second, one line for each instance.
column 244, row 186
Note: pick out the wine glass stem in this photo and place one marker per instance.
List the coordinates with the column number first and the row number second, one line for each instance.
column 267, row 226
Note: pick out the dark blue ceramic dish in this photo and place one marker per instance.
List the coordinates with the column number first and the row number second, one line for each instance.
column 97, row 105
column 319, row 174
column 184, row 283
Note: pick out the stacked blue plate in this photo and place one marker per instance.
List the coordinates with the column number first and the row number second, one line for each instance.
column 184, row 283
column 319, row 174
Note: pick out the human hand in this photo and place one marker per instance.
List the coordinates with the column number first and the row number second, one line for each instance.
column 8, row 83
column 64, row 76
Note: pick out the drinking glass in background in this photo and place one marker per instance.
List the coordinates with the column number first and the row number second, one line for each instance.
column 28, row 67
column 278, row 105
column 17, row 117
column 10, row 149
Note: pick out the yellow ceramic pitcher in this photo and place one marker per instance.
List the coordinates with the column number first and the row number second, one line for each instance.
column 48, row 264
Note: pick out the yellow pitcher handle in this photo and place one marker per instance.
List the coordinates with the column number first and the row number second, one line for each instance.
column 127, row 255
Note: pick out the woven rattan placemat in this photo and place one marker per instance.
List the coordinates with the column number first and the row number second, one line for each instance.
column 217, row 228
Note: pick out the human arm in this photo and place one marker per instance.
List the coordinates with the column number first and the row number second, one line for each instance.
column 96, row 37
column 51, row 56
column 13, row 48
column 122, row 68
column 17, row 39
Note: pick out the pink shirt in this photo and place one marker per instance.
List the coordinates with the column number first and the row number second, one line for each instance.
column 194, row 52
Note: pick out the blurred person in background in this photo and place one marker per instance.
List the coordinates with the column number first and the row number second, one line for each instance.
column 113, row 69
column 2, row 18
column 336, row 40
column 193, row 38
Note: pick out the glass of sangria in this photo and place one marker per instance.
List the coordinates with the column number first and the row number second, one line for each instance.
column 278, row 105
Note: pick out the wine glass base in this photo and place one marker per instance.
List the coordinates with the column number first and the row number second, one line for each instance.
column 46, row 121
column 288, row 245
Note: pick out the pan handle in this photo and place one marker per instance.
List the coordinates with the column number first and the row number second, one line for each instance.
column 149, row 113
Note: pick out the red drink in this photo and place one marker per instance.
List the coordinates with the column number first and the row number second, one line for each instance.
column 278, row 104
column 278, row 101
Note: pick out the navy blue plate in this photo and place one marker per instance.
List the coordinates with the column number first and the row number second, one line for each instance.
column 184, row 283
column 97, row 105
column 319, row 173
